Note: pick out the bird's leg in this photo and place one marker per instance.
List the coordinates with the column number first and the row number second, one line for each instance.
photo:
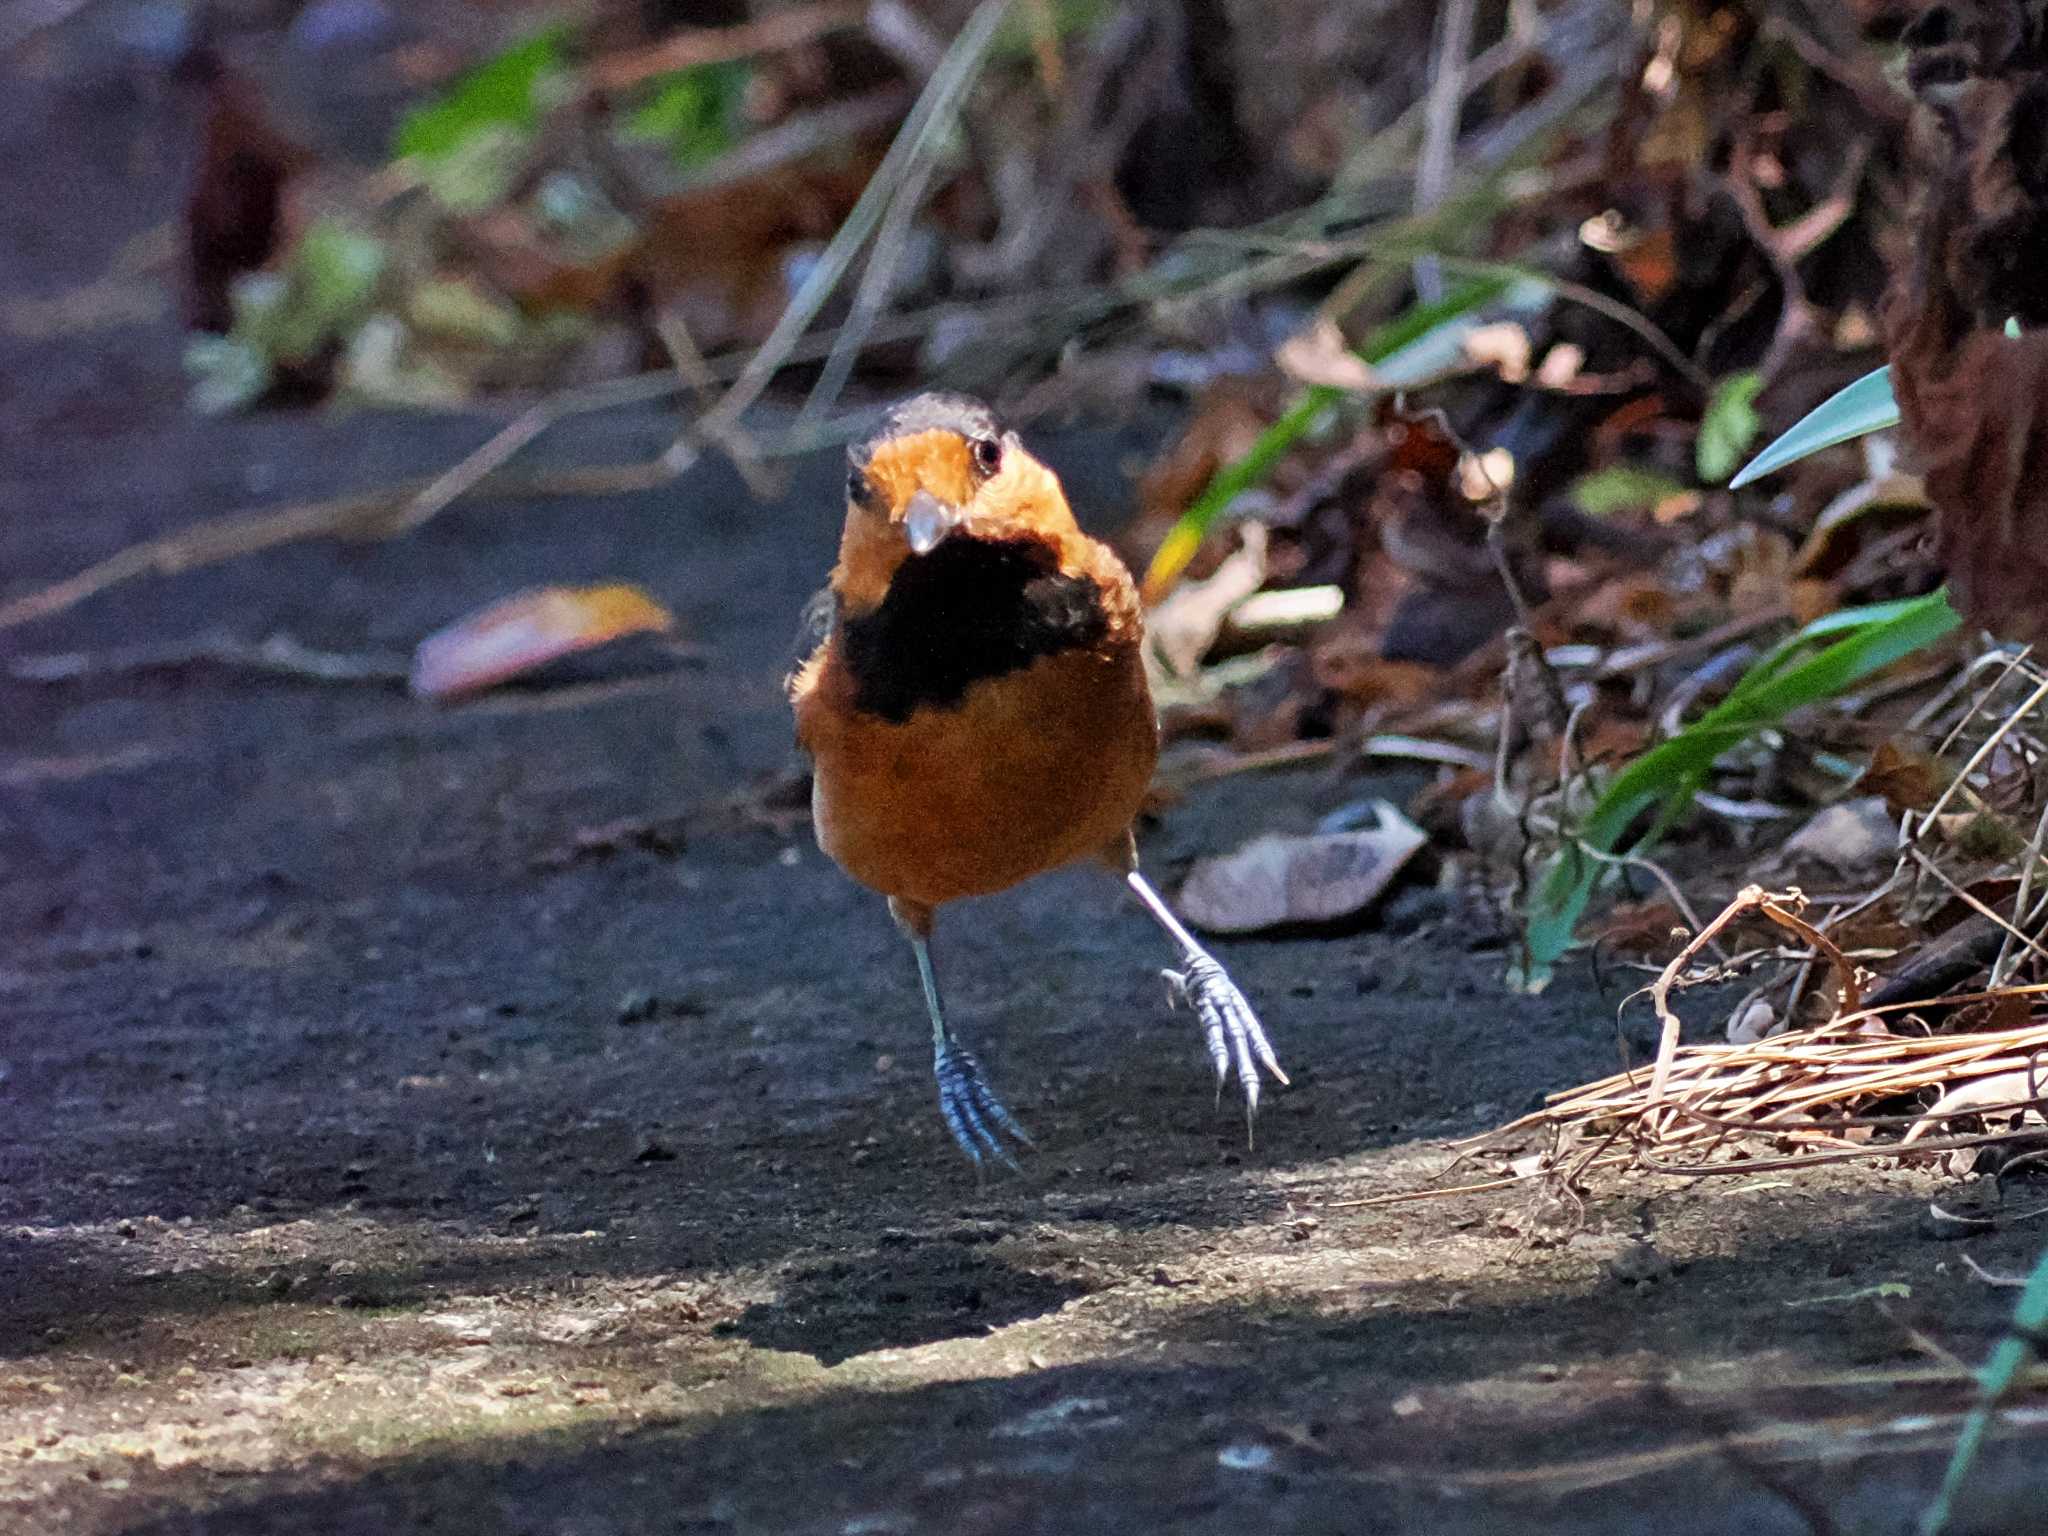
column 1229, row 1027
column 972, row 1111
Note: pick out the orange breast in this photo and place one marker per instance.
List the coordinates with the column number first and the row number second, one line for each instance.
column 1032, row 770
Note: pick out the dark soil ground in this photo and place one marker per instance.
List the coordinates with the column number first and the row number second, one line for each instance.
column 362, row 1172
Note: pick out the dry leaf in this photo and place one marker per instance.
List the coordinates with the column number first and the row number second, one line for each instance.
column 1906, row 780
column 1349, row 663
column 528, row 630
column 1183, row 627
column 1277, row 880
column 1503, row 347
column 1757, row 1021
column 1321, row 356
column 721, row 256
column 1633, row 607
column 1977, row 1094
column 1642, row 930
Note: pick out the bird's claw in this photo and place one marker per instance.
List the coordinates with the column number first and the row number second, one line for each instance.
column 1230, row 1029
column 973, row 1113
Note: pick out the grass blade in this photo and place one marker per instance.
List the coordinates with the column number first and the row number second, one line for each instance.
column 1995, row 1382
column 1231, row 482
column 1666, row 777
column 1857, row 410
column 920, row 140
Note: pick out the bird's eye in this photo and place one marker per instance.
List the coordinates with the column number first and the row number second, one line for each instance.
column 988, row 454
column 858, row 490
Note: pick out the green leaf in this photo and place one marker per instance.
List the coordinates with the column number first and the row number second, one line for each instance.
column 1020, row 31
column 1728, row 428
column 478, row 173
column 1665, row 778
column 1408, row 330
column 1623, row 488
column 694, row 112
column 505, row 91
column 1861, row 408
column 334, row 275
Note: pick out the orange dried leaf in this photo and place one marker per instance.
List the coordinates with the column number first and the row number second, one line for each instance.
column 1650, row 263
column 519, row 633
column 1633, row 606
column 1610, row 740
column 1810, row 599
column 720, row 256
column 1348, row 663
column 1908, row 780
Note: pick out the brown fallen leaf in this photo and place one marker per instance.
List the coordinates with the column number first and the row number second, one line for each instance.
column 1907, row 779
column 1641, row 930
column 528, row 630
column 720, row 257
column 1276, row 880
column 1971, row 398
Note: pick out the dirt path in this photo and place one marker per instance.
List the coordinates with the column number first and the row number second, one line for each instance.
column 362, row 1174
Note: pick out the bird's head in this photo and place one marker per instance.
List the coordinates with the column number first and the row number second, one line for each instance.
column 939, row 467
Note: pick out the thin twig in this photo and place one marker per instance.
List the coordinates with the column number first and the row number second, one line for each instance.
column 2022, row 899
column 1440, row 126
column 697, row 46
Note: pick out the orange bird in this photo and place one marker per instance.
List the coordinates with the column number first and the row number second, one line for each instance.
column 975, row 709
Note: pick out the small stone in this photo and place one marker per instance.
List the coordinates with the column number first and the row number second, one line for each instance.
column 1639, row 1264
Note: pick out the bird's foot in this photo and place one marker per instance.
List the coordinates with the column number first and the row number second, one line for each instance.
column 974, row 1114
column 1230, row 1029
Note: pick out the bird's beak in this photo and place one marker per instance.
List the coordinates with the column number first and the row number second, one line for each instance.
column 927, row 520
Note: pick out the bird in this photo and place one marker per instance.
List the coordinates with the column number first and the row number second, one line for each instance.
column 972, row 697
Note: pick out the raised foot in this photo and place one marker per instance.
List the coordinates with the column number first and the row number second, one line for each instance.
column 974, row 1114
column 1232, row 1032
